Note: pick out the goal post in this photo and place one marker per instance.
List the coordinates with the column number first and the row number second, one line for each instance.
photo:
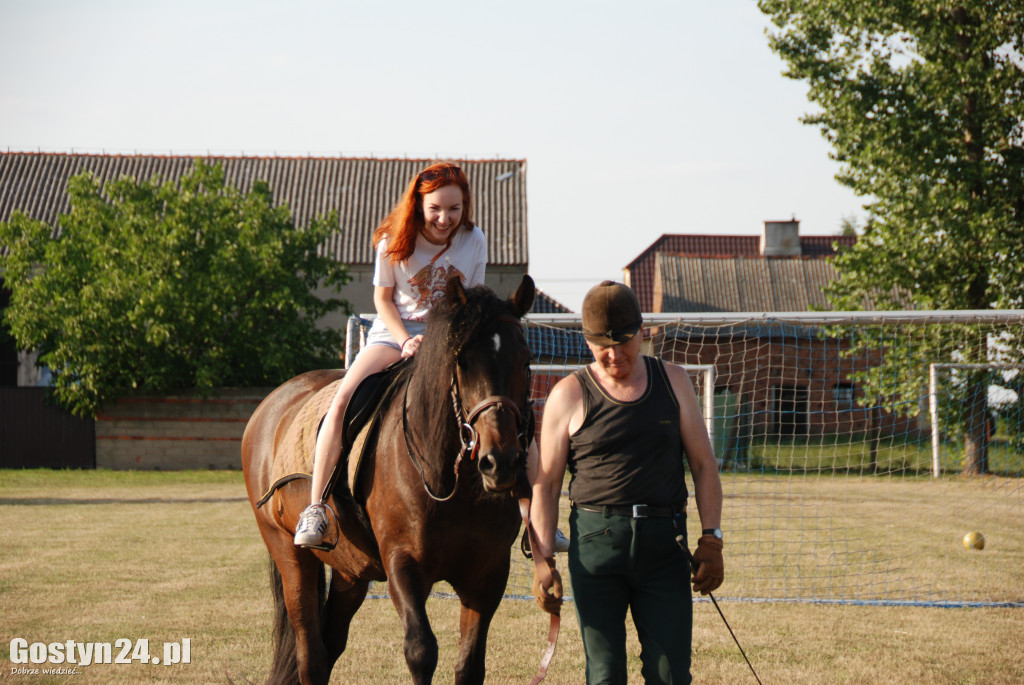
column 933, row 402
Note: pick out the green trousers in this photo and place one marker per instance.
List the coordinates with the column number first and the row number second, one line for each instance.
column 615, row 563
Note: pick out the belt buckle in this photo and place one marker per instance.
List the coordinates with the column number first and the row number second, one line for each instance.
column 639, row 511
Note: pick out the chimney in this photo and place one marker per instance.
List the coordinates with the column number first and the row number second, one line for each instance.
column 781, row 239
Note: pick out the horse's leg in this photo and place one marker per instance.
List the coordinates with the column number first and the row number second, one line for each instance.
column 342, row 603
column 409, row 595
column 478, row 609
column 300, row 575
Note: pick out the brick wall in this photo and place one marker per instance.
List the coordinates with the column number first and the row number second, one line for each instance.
column 175, row 431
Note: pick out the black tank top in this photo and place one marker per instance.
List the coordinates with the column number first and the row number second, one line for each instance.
column 628, row 453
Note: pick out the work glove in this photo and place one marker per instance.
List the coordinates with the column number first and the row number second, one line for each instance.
column 710, row 571
column 547, row 586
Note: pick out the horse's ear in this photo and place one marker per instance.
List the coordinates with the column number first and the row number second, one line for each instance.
column 522, row 299
column 454, row 292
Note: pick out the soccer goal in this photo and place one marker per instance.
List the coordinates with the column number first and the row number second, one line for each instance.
column 856, row 449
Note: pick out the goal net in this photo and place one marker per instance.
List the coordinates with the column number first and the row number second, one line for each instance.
column 856, row 450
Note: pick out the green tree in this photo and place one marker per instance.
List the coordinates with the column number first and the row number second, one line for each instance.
column 848, row 225
column 923, row 104
column 153, row 286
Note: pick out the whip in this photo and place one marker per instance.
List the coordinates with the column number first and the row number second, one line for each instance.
column 681, row 541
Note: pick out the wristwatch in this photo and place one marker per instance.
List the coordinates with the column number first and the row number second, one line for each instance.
column 715, row 532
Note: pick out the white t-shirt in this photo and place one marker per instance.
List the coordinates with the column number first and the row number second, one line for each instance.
column 420, row 281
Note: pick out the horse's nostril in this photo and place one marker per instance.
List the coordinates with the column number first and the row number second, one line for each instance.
column 488, row 464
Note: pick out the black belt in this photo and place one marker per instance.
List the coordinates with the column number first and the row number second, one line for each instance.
column 636, row 511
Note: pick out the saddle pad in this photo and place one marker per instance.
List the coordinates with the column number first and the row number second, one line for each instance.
column 295, row 452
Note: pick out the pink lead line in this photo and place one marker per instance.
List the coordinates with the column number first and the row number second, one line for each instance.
column 549, row 651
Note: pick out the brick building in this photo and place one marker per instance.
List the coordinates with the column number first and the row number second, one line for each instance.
column 771, row 378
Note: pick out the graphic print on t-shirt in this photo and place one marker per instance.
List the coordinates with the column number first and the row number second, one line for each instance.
column 429, row 283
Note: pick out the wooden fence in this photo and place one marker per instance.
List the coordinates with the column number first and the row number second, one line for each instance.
column 34, row 433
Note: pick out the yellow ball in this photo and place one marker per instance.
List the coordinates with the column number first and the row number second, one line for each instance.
column 974, row 540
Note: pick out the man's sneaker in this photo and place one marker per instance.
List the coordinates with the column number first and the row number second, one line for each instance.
column 561, row 542
column 312, row 526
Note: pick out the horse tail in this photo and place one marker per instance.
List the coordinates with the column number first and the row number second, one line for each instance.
column 285, row 667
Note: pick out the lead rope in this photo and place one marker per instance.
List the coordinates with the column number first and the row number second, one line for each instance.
column 556, row 619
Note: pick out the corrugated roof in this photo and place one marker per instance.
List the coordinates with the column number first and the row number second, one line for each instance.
column 742, row 284
column 362, row 190
column 641, row 270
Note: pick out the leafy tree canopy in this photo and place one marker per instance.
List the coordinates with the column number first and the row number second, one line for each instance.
column 153, row 286
column 923, row 103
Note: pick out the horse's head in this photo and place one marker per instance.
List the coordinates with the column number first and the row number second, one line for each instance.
column 491, row 379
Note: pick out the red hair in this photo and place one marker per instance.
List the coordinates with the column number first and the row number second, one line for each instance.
column 406, row 220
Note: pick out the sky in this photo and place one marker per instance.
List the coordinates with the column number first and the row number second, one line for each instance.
column 636, row 118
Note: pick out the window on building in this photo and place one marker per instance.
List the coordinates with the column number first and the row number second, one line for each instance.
column 790, row 410
column 843, row 394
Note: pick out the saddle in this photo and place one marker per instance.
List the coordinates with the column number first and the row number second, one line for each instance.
column 361, row 426
column 362, row 423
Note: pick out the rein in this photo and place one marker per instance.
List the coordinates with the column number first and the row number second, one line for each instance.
column 555, row 619
column 416, row 461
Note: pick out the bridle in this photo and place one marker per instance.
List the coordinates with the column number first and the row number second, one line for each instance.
column 469, row 437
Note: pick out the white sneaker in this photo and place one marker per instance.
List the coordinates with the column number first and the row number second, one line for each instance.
column 312, row 525
column 561, row 542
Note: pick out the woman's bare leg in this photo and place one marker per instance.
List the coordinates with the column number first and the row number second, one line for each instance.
column 328, row 441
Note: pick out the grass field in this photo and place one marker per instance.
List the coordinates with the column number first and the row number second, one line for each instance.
column 96, row 556
column 893, row 454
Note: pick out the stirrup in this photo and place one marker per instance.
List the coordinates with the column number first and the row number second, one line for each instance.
column 327, row 513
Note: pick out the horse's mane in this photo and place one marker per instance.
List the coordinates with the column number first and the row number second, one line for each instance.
column 450, row 328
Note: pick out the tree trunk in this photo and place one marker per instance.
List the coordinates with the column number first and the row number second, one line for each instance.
column 976, row 430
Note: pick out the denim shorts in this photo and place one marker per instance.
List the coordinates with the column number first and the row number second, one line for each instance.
column 380, row 335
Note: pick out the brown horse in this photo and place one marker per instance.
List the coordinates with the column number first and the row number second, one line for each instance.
column 438, row 501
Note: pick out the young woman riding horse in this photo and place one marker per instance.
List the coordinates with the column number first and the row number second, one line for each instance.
column 428, row 237
column 440, row 492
